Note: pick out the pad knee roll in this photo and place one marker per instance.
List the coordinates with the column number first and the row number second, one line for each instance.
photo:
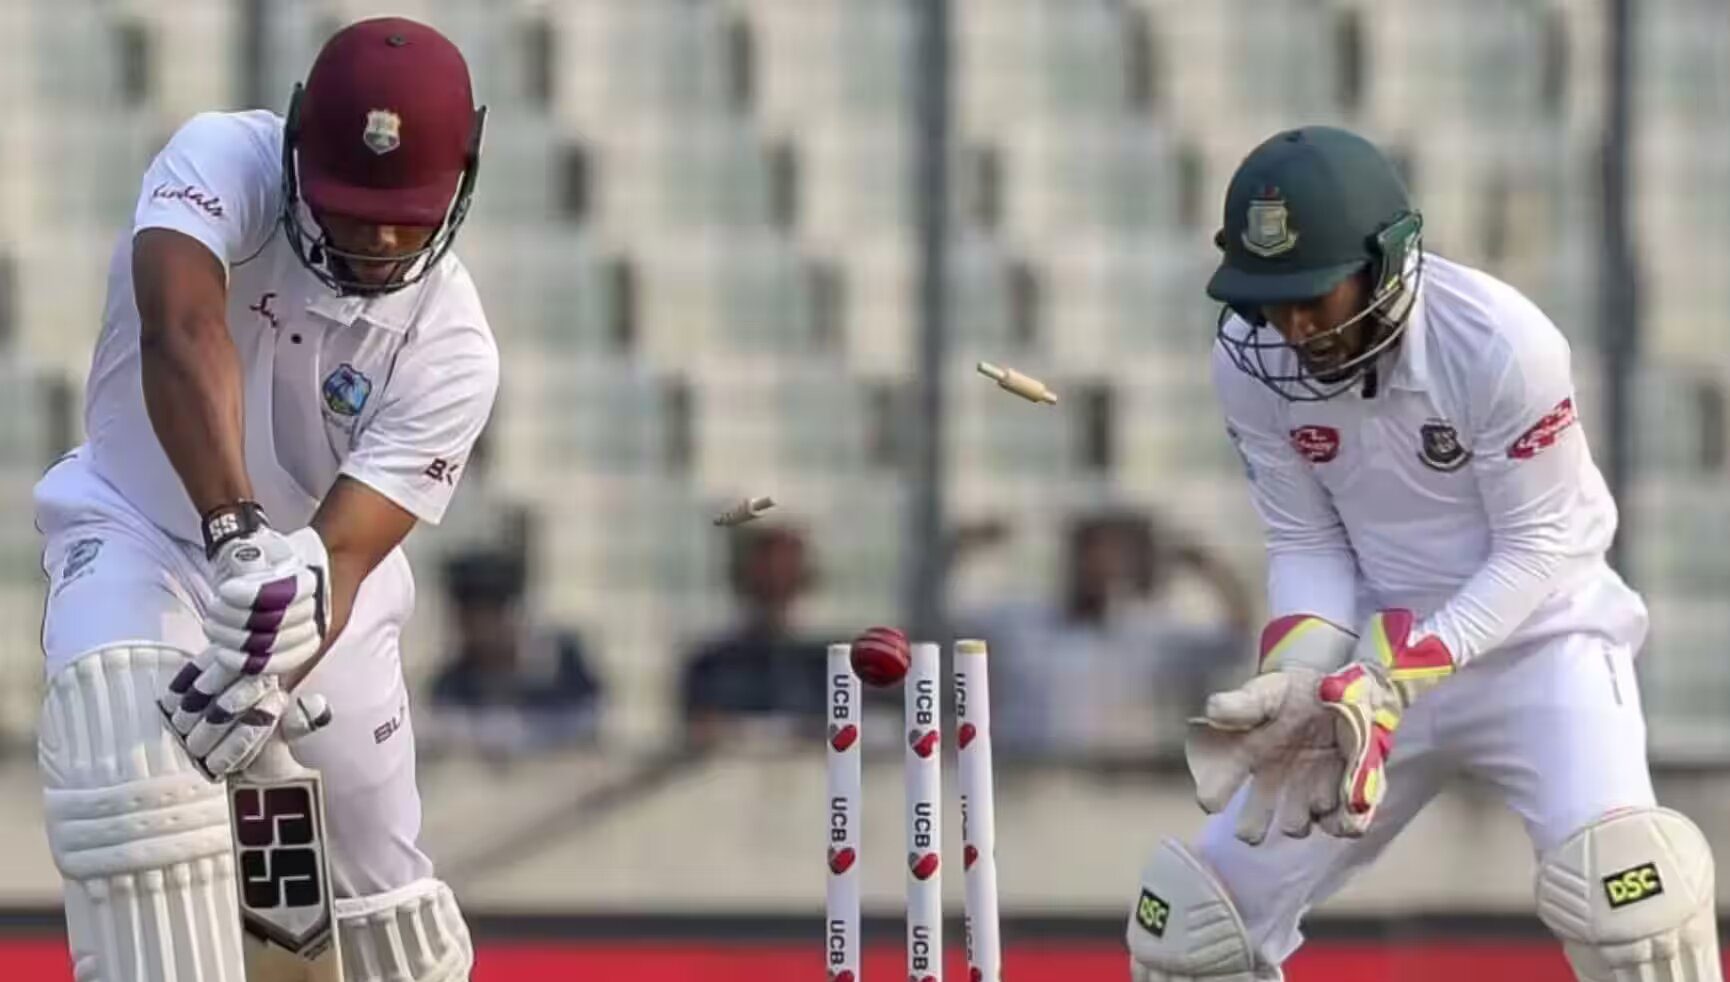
column 140, row 837
column 413, row 933
column 1184, row 927
column 1631, row 897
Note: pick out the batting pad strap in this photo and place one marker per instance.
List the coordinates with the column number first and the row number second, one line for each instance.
column 1184, row 928
column 415, row 932
column 1631, row 897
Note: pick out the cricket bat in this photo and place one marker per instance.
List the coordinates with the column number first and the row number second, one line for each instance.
column 282, row 869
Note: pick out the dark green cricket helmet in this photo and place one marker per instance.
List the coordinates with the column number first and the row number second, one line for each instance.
column 1306, row 209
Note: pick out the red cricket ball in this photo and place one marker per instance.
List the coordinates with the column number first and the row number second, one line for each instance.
column 881, row 656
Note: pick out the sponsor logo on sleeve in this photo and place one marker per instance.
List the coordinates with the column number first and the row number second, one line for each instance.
column 442, row 471
column 1545, row 432
column 199, row 198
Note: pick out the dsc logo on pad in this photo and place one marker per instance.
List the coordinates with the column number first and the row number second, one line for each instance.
column 1633, row 885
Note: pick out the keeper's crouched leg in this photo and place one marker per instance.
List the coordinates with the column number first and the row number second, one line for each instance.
column 1631, row 897
column 414, row 932
column 1184, row 927
column 140, row 836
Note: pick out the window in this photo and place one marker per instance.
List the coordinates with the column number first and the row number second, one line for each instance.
column 132, row 41
column 784, row 186
column 8, row 300
column 573, row 177
column 982, row 200
column 1554, row 92
column 1024, row 306
column 1709, row 409
column 740, row 65
column 681, row 440
column 1141, row 62
column 540, row 57
column 1098, row 421
column 1191, row 186
column 883, row 438
column 622, row 289
column 826, row 290
column 1349, row 61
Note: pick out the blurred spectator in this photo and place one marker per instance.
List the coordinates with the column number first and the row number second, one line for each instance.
column 509, row 686
column 759, row 677
column 1117, row 663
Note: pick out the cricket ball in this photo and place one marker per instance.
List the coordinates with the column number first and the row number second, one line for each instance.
column 881, row 657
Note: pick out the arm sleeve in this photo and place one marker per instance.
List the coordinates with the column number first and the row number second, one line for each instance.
column 1531, row 463
column 1311, row 567
column 436, row 404
column 218, row 181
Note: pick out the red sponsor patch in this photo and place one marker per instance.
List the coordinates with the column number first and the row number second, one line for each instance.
column 1545, row 432
column 1318, row 444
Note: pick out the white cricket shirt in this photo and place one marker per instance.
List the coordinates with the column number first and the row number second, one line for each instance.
column 1463, row 490
column 391, row 390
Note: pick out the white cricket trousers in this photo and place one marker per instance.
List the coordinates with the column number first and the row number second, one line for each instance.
column 1556, row 730
column 114, row 576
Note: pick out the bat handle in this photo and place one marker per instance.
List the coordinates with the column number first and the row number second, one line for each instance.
column 274, row 763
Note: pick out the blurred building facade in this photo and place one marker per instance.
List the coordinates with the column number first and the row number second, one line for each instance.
column 694, row 236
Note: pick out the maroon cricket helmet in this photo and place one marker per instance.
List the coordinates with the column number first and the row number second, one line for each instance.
column 385, row 130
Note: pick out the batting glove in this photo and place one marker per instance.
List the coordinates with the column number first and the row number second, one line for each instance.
column 272, row 605
column 224, row 730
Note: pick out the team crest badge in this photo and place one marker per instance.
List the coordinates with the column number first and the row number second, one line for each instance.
column 346, row 390
column 1441, row 449
column 383, row 131
column 1268, row 231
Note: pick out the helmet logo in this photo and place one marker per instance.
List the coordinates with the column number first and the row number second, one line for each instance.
column 1267, row 232
column 383, row 131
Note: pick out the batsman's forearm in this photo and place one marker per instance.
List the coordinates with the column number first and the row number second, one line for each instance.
column 193, row 392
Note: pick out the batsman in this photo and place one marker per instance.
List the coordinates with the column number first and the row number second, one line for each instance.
column 1439, row 597
column 291, row 371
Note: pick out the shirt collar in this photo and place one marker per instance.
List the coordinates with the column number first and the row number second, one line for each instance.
column 389, row 312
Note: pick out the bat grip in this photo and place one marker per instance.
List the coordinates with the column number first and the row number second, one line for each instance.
column 274, row 763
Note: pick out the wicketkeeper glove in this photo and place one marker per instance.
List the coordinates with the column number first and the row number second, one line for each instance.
column 1390, row 668
column 1274, row 733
